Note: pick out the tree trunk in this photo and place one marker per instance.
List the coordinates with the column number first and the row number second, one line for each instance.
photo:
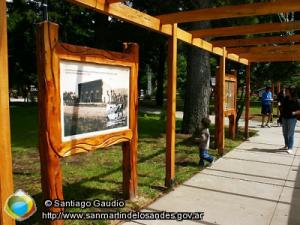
column 160, row 75
column 102, row 32
column 197, row 92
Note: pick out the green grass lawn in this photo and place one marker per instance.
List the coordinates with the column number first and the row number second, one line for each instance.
column 98, row 174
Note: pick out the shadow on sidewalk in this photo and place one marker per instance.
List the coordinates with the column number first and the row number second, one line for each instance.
column 273, row 150
column 294, row 215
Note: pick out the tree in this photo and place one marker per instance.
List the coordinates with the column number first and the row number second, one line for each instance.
column 197, row 91
column 21, row 51
column 23, row 15
column 155, row 48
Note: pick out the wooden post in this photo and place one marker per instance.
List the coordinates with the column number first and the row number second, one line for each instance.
column 171, row 108
column 6, row 177
column 220, row 96
column 51, row 174
column 232, row 126
column 232, row 117
column 248, row 73
column 130, row 148
column 216, row 98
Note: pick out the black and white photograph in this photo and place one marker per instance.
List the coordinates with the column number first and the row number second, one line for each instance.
column 94, row 99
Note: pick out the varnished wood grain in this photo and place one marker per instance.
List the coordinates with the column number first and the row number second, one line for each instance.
column 247, row 29
column 247, row 109
column 232, row 114
column 130, row 148
column 267, row 50
column 114, row 1
column 51, row 174
column 232, row 125
column 6, row 177
column 220, row 79
column 171, row 108
column 274, row 58
column 90, row 144
column 257, row 41
column 234, row 11
column 62, row 51
column 144, row 20
column 51, row 146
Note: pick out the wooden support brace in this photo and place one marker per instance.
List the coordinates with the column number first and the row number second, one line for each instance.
column 232, row 126
column 216, row 97
column 221, row 99
column 6, row 176
column 130, row 148
column 232, row 117
column 51, row 173
column 171, row 108
column 247, row 110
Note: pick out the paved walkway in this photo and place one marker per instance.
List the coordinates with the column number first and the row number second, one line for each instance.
column 255, row 184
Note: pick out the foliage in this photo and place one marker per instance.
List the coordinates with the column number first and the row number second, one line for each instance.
column 85, row 27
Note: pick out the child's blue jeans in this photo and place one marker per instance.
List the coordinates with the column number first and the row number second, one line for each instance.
column 204, row 156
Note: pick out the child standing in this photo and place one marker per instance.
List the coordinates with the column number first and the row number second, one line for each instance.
column 204, row 143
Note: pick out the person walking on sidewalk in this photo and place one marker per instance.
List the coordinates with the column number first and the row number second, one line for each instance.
column 266, row 107
column 280, row 99
column 290, row 110
column 204, row 143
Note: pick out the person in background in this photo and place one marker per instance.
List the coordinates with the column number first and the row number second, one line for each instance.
column 266, row 108
column 204, row 143
column 290, row 110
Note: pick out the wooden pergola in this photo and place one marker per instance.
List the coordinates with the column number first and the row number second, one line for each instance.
column 244, row 51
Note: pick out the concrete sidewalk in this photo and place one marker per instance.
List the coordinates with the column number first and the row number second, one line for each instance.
column 255, row 184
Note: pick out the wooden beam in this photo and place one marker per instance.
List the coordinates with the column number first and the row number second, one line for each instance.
column 6, row 176
column 282, row 49
column 141, row 19
column 114, row 1
column 288, row 55
column 275, row 58
column 247, row 110
column 171, row 108
column 235, row 11
column 248, row 29
column 124, row 13
column 257, row 41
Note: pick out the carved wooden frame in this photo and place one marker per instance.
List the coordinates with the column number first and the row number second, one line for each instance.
column 51, row 147
column 231, row 78
column 50, row 93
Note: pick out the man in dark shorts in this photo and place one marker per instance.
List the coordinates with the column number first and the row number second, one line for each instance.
column 266, row 106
